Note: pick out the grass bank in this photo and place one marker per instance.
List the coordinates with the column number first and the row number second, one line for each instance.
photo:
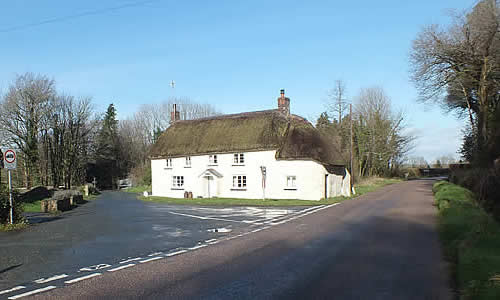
column 36, row 206
column 471, row 242
column 365, row 186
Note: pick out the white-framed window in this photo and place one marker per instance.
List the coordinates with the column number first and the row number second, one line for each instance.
column 239, row 158
column 188, row 161
column 291, row 182
column 212, row 159
column 239, row 182
column 168, row 163
column 178, row 182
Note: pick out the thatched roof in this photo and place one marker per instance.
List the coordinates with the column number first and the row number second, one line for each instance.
column 292, row 137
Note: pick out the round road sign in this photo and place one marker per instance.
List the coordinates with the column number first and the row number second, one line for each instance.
column 9, row 156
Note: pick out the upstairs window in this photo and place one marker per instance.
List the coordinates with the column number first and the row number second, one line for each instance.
column 188, row 161
column 239, row 181
column 291, row 182
column 239, row 159
column 168, row 163
column 212, row 159
column 177, row 182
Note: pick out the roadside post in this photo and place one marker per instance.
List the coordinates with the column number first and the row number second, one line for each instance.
column 263, row 170
column 10, row 163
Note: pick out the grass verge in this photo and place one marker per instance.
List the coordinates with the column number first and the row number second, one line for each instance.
column 471, row 242
column 365, row 186
column 138, row 189
column 33, row 206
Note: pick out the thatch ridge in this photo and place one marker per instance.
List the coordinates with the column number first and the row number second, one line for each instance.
column 293, row 137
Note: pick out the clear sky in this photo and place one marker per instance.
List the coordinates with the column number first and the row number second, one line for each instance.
column 236, row 55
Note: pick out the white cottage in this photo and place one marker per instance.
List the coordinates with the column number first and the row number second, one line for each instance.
column 264, row 154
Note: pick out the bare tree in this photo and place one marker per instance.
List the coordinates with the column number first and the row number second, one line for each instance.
column 380, row 142
column 23, row 109
column 338, row 103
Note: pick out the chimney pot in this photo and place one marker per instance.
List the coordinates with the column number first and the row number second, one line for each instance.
column 284, row 103
column 174, row 114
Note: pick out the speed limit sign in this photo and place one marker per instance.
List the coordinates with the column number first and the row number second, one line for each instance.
column 10, row 159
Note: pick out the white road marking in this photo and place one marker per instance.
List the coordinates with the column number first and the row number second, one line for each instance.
column 210, row 240
column 155, row 254
column 150, row 259
column 50, row 287
column 16, row 288
column 129, row 260
column 95, row 267
column 121, row 268
column 176, row 252
column 205, row 218
column 45, row 280
column 197, row 247
column 286, row 217
column 220, row 230
column 83, row 278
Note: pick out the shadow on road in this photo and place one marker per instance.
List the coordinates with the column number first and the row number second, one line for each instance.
column 10, row 268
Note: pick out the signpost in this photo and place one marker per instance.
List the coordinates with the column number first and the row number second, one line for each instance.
column 10, row 163
column 263, row 171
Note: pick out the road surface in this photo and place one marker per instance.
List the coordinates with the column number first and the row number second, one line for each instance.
column 382, row 245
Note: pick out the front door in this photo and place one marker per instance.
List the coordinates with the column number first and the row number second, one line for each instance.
column 209, row 187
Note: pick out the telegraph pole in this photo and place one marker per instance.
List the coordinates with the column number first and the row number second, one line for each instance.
column 352, row 149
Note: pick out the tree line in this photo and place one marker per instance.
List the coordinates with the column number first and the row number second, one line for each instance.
column 458, row 67
column 62, row 141
column 379, row 140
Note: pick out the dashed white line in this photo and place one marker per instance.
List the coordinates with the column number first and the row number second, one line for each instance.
column 213, row 242
column 129, row 260
column 155, row 254
column 210, row 240
column 95, row 267
column 197, row 247
column 82, row 278
column 176, row 252
column 16, row 288
column 121, row 268
column 45, row 280
column 150, row 259
column 48, row 288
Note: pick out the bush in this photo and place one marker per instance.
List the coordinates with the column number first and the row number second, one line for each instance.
column 5, row 207
column 141, row 175
column 35, row 194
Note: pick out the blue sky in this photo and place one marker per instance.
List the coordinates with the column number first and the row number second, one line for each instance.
column 236, row 55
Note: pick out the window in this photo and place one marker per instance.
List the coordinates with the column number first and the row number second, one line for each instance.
column 291, row 182
column 168, row 163
column 177, row 182
column 188, row 161
column 239, row 158
column 212, row 159
column 239, row 182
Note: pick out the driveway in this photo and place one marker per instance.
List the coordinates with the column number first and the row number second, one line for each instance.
column 113, row 228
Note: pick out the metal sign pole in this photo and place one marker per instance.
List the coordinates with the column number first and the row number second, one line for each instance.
column 10, row 199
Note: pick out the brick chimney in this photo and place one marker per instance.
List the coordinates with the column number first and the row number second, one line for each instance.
column 174, row 115
column 284, row 103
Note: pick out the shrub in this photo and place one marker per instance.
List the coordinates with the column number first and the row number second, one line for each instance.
column 5, row 207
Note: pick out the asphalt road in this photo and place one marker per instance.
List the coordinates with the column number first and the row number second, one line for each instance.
column 382, row 245
column 113, row 228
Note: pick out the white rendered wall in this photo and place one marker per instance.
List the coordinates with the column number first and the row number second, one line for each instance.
column 310, row 177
